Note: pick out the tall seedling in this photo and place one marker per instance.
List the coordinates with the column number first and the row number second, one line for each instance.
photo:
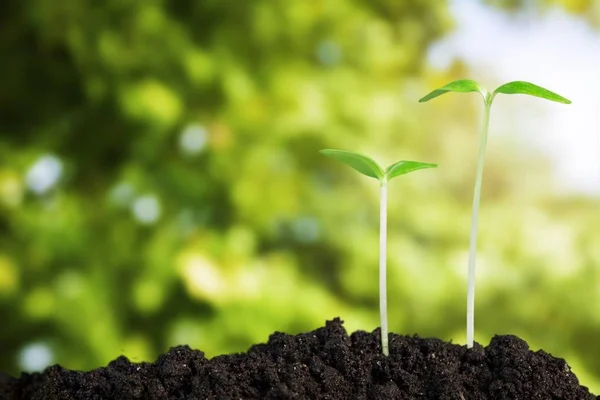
column 466, row 85
column 368, row 167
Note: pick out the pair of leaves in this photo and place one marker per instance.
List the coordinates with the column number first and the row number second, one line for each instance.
column 516, row 87
column 367, row 166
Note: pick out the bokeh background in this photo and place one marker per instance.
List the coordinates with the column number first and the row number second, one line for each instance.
column 160, row 181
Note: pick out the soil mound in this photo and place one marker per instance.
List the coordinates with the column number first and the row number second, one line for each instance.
column 323, row 364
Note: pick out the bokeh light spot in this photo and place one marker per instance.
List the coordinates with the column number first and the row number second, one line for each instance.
column 306, row 229
column 152, row 101
column 202, row 278
column 122, row 194
column 146, row 209
column 193, row 139
column 35, row 357
column 44, row 174
column 11, row 189
column 329, row 53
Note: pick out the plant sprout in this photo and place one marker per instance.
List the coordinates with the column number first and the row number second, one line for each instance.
column 463, row 86
column 368, row 167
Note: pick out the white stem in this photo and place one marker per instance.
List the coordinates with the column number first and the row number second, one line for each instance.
column 474, row 221
column 382, row 267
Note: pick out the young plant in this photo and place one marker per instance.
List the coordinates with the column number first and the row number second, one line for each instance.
column 368, row 167
column 466, row 85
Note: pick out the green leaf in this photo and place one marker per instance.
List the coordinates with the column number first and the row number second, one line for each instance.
column 359, row 162
column 461, row 86
column 521, row 87
column 404, row 167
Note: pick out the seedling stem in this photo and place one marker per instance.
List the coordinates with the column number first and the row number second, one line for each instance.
column 383, row 267
column 475, row 222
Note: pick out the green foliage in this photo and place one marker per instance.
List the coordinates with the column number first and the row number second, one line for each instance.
column 363, row 164
column 185, row 135
column 404, row 167
column 367, row 166
column 520, row 87
column 460, row 86
column 516, row 87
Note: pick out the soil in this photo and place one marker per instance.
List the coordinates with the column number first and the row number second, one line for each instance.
column 322, row 364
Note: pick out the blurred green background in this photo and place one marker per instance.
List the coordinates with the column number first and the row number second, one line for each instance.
column 160, row 182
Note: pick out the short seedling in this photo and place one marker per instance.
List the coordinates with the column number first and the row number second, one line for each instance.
column 466, row 85
column 368, row 167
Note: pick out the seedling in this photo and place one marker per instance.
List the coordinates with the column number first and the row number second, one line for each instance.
column 368, row 167
column 463, row 86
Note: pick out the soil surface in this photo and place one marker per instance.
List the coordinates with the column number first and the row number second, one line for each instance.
column 322, row 364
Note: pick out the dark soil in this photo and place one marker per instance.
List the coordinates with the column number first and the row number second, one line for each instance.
column 323, row 364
